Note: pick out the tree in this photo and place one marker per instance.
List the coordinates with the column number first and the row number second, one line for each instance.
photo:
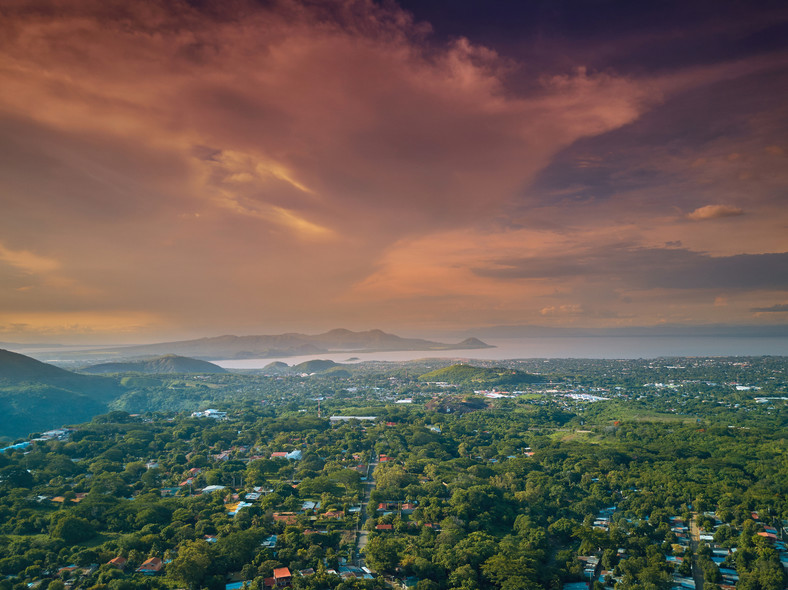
column 383, row 553
column 192, row 563
column 73, row 530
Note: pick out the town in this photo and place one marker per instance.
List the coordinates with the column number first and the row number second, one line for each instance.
column 594, row 474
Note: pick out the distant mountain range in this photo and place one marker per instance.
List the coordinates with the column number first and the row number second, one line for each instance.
column 169, row 363
column 291, row 344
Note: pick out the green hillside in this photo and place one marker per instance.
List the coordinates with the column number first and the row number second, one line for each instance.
column 166, row 364
column 314, row 366
column 35, row 396
column 468, row 374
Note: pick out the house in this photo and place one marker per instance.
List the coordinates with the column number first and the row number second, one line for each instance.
column 150, row 566
column 292, row 455
column 333, row 514
column 215, row 414
column 118, row 562
column 66, row 570
column 384, row 527
column 285, row 517
column 270, row 542
column 337, row 419
column 282, row 576
column 235, row 507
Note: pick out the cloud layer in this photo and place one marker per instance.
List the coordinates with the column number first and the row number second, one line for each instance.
column 181, row 169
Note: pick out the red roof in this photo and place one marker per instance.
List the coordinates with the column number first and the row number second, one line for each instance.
column 281, row 572
column 150, row 565
column 384, row 527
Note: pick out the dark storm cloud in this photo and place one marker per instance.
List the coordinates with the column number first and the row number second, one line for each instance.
column 634, row 36
column 652, row 268
column 662, row 150
column 778, row 308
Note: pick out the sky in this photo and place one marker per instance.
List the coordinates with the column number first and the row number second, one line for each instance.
column 175, row 169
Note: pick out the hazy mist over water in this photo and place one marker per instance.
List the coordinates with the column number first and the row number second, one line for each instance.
column 600, row 347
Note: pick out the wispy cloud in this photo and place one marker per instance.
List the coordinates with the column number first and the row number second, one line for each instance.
column 27, row 261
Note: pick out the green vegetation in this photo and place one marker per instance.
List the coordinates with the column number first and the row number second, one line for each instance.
column 38, row 396
column 468, row 374
column 608, row 473
column 169, row 363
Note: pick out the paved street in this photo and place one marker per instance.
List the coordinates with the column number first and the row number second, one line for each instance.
column 362, row 536
column 697, row 572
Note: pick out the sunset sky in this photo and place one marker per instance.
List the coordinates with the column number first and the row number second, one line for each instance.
column 174, row 169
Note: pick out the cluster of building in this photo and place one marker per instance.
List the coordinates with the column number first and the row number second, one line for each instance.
column 210, row 413
column 720, row 555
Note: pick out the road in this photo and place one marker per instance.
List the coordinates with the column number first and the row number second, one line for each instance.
column 362, row 536
column 697, row 572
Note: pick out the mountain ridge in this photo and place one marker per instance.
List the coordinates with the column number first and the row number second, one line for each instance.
column 229, row 346
column 39, row 396
column 169, row 363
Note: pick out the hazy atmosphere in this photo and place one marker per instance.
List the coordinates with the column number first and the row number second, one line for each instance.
column 181, row 169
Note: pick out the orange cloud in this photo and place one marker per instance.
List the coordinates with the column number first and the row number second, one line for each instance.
column 714, row 212
column 284, row 162
column 26, row 261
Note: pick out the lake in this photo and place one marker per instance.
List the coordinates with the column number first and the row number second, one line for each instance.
column 599, row 347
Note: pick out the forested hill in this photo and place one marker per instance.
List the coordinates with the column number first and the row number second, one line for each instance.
column 160, row 365
column 465, row 374
column 17, row 370
column 36, row 396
